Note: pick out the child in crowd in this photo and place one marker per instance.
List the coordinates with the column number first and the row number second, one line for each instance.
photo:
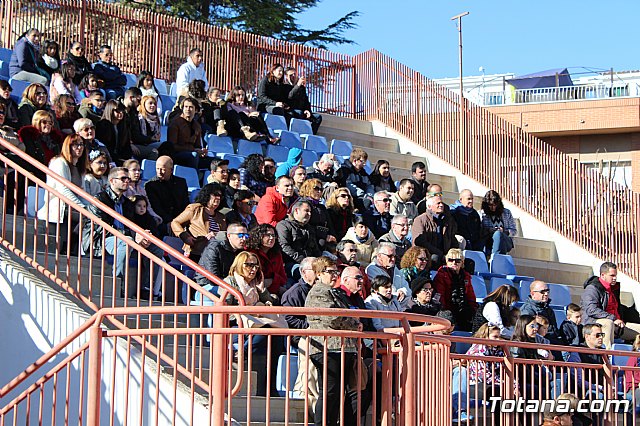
column 571, row 328
column 543, row 328
column 142, row 217
column 382, row 299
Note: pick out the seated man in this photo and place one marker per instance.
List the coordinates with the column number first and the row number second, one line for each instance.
column 593, row 339
column 433, row 190
column 22, row 65
column 191, row 70
column 468, row 221
column 401, row 201
column 435, row 230
column 93, row 107
column 356, row 177
column 219, row 255
column 398, row 235
column 274, row 205
column 168, row 194
column 243, row 202
column 377, row 217
column 384, row 263
column 298, row 99
column 350, row 292
column 296, row 237
column 538, row 303
column 219, row 173
column 107, row 71
column 92, row 235
column 347, row 253
column 600, row 302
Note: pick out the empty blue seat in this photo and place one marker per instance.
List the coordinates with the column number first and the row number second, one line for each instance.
column 278, row 153
column 479, row 287
column 275, row 122
column 462, row 347
column 219, row 144
column 503, row 264
column 173, row 90
column 308, row 158
column 18, row 87
column 300, row 126
column 4, row 70
column 168, row 102
column 290, row 139
column 341, row 148
column 161, row 85
column 190, row 174
column 234, row 160
column 317, row 144
column 482, row 268
column 132, row 80
column 560, row 315
column 35, row 203
column 164, row 130
column 193, row 195
column 497, row 282
column 620, row 359
column 148, row 169
column 5, row 54
column 246, row 147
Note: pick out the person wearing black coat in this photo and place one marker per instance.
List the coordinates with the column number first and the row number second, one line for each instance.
column 468, row 221
column 75, row 55
column 168, row 194
column 273, row 93
column 296, row 237
column 377, row 217
column 218, row 255
column 298, row 99
column 23, row 63
column 11, row 107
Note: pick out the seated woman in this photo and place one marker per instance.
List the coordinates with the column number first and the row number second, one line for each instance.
column 113, row 133
column 299, row 175
column 383, row 299
column 23, row 63
column 185, row 135
column 42, row 140
column 9, row 134
column 496, row 310
column 34, row 98
column 75, row 56
column 273, row 93
column 340, row 211
column 95, row 180
column 147, row 85
column 64, row 108
column 214, row 112
column 89, row 84
column 251, row 175
column 87, row 131
column 243, row 120
column 263, row 243
column 415, row 263
column 146, row 130
column 454, row 290
column 246, row 276
column 381, row 178
column 200, row 221
column 497, row 223
column 526, row 330
column 62, row 83
column 422, row 296
column 136, row 186
column 11, row 107
column 49, row 61
column 364, row 239
column 71, row 164
column 341, row 354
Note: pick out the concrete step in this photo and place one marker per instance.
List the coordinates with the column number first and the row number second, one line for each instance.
column 528, row 248
column 365, row 141
column 204, row 374
column 395, row 159
column 553, row 272
column 258, row 409
column 343, row 123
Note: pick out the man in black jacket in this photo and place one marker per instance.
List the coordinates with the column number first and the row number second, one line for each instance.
column 298, row 99
column 297, row 295
column 419, row 179
column 538, row 304
column 168, row 194
column 296, row 237
column 114, row 245
column 219, row 255
column 377, row 217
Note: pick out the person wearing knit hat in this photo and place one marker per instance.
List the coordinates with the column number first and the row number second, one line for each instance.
column 422, row 292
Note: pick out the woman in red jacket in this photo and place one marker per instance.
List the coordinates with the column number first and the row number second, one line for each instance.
column 454, row 291
column 263, row 243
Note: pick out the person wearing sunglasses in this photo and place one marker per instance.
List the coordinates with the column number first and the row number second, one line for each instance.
column 263, row 242
column 423, row 303
column 454, row 291
column 525, row 331
column 218, row 256
column 340, row 212
column 242, row 209
column 538, row 303
column 378, row 217
column 11, row 112
column 435, row 230
column 384, row 263
column 34, row 98
column 42, row 139
column 76, row 56
column 311, row 190
column 594, row 338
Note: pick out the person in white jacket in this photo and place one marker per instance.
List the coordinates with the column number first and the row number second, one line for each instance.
column 191, row 70
column 383, row 299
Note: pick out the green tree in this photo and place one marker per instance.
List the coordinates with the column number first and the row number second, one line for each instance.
column 271, row 18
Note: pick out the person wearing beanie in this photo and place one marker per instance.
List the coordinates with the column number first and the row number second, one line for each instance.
column 423, row 303
column 293, row 159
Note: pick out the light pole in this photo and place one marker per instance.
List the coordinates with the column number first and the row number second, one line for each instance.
column 461, row 118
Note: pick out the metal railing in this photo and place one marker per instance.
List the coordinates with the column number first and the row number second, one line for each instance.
column 51, row 248
column 554, row 94
column 116, row 376
column 597, row 214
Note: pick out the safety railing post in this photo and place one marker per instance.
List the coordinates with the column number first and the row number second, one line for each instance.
column 94, row 376
column 508, row 391
column 219, row 371
column 408, row 376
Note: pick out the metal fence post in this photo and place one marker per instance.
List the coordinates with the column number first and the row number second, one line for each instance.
column 219, row 373
column 94, row 380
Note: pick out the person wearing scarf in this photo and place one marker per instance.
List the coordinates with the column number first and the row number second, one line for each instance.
column 468, row 221
column 75, row 55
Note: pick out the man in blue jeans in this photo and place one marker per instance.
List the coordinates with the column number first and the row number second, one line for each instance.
column 114, row 244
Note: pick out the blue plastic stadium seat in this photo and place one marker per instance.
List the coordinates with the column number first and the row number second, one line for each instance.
column 219, row 144
column 161, row 85
column 496, row 282
column 18, row 87
column 234, row 160
column 190, row 174
column 275, row 122
column 479, row 287
column 560, row 315
column 482, row 268
column 316, row 143
column 368, row 168
column 462, row 347
column 132, row 80
column 290, row 139
column 281, row 376
column 173, row 90
column 503, row 264
column 164, row 130
column 4, row 70
column 278, row 153
column 308, row 158
column 168, row 103
column 300, row 126
column 620, row 359
column 5, row 54
column 246, row 147
column 32, row 207
column 148, row 169
column 341, row 148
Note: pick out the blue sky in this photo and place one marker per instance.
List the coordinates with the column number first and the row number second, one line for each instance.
column 501, row 36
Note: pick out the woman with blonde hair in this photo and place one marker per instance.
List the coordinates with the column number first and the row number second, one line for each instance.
column 415, row 263
column 145, row 131
column 41, row 139
column 454, row 290
column 340, row 210
column 311, row 190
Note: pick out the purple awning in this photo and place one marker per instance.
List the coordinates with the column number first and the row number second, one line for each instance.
column 542, row 79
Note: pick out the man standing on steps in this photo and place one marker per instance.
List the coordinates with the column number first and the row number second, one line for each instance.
column 299, row 100
column 113, row 198
column 191, row 70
